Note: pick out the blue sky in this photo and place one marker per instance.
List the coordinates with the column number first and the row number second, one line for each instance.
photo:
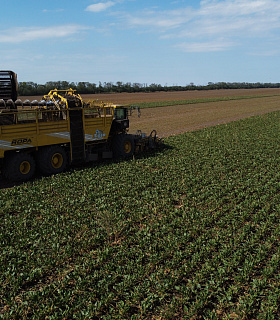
column 141, row 41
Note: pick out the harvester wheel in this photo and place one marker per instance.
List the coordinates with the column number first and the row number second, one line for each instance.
column 52, row 160
column 123, row 145
column 19, row 167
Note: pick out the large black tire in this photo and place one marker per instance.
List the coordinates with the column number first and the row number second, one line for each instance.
column 123, row 145
column 52, row 160
column 19, row 167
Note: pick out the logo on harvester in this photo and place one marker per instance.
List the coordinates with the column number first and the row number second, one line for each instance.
column 99, row 135
column 16, row 142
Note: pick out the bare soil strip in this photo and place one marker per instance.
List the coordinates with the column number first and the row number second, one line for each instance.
column 132, row 98
column 179, row 119
column 174, row 120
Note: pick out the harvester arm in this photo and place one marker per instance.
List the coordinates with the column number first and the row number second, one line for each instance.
column 135, row 108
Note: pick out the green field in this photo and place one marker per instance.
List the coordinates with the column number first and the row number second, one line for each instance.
column 189, row 232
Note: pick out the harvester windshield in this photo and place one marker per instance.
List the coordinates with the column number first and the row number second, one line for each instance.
column 120, row 113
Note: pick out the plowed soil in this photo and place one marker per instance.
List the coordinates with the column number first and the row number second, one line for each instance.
column 178, row 95
column 173, row 120
column 178, row 119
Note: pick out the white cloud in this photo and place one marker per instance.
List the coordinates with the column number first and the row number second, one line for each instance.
column 52, row 10
column 162, row 23
column 236, row 7
column 162, row 20
column 229, row 19
column 205, row 46
column 238, row 17
column 22, row 34
column 101, row 6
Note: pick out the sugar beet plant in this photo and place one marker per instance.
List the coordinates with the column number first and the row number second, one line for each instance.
column 190, row 232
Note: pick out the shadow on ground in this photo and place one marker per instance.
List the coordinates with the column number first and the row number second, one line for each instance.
column 5, row 184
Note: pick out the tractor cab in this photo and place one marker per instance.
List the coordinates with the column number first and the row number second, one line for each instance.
column 121, row 121
column 121, row 112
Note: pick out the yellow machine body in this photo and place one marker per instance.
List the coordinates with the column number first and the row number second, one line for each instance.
column 42, row 128
column 60, row 130
column 33, row 127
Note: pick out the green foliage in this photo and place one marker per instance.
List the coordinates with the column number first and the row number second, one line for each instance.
column 34, row 89
column 191, row 232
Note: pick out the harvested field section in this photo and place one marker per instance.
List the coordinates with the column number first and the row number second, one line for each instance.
column 171, row 96
column 179, row 95
column 173, row 120
column 178, row 119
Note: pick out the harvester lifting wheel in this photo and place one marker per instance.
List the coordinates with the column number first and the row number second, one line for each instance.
column 19, row 167
column 52, row 160
column 123, row 145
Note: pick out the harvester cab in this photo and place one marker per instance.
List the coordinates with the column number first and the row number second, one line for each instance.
column 121, row 121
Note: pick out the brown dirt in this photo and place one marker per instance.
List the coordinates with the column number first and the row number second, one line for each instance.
column 178, row 95
column 178, row 119
column 170, row 96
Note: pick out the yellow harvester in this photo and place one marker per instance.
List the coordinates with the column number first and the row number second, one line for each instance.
column 60, row 130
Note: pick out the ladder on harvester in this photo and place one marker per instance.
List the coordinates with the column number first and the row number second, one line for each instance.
column 77, row 135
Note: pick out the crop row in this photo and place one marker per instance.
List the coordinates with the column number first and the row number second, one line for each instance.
column 191, row 232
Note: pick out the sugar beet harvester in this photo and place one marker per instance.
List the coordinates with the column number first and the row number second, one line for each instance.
column 61, row 130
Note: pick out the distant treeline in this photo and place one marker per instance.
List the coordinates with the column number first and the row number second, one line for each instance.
column 34, row 89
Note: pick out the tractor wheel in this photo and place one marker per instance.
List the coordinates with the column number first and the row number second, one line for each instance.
column 123, row 145
column 19, row 167
column 52, row 160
